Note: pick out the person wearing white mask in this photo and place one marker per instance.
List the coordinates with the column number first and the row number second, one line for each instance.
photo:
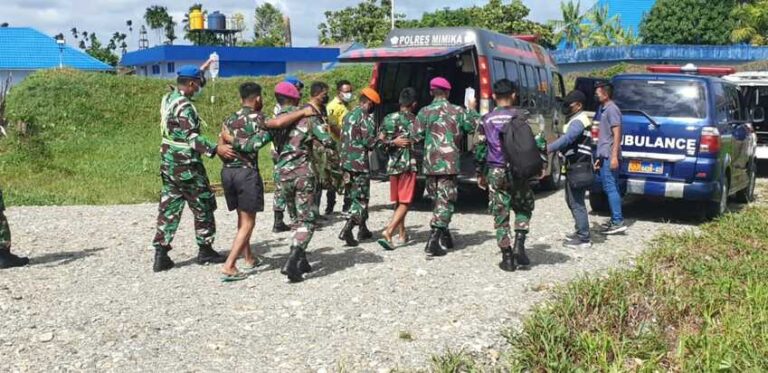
column 337, row 109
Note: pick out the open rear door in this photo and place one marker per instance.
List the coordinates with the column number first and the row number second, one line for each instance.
column 385, row 54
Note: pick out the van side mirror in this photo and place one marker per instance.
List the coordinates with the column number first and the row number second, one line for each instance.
column 758, row 115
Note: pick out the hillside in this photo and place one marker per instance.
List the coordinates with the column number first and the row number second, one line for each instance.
column 94, row 138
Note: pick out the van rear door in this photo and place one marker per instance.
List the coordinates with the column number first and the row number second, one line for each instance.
column 662, row 123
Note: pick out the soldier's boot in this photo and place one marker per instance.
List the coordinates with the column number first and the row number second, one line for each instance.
column 346, row 233
column 330, row 203
column 433, row 244
column 304, row 265
column 206, row 254
column 279, row 225
column 507, row 260
column 446, row 240
column 9, row 260
column 346, row 204
column 363, row 233
column 291, row 266
column 163, row 262
column 522, row 259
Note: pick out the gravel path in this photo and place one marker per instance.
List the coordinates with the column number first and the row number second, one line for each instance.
column 90, row 301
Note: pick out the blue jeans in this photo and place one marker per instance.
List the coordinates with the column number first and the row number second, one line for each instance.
column 575, row 200
column 610, row 180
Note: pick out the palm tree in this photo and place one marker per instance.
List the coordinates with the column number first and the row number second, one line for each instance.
column 571, row 28
column 170, row 31
column 603, row 29
column 156, row 17
column 752, row 21
column 75, row 34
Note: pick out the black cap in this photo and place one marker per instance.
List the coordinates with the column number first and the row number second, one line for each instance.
column 575, row 96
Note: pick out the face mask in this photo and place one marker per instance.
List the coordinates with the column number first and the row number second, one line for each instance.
column 325, row 100
column 566, row 109
column 346, row 97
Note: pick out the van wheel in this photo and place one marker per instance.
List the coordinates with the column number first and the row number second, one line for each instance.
column 599, row 202
column 555, row 179
column 747, row 195
column 717, row 208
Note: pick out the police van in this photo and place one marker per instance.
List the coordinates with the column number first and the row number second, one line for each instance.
column 686, row 134
column 472, row 60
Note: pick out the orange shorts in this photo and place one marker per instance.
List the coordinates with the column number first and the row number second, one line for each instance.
column 401, row 187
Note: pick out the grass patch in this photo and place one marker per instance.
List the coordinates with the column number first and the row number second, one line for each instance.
column 95, row 138
column 692, row 303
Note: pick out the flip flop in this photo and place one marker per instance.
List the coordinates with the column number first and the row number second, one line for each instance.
column 385, row 244
column 239, row 276
column 255, row 264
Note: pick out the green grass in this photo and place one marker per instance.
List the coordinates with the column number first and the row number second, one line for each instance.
column 692, row 303
column 94, row 138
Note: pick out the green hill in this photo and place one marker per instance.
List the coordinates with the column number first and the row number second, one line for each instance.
column 94, row 138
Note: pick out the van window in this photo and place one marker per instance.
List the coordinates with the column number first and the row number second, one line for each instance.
column 557, row 84
column 511, row 68
column 734, row 105
column 544, row 81
column 662, row 98
column 533, row 85
column 498, row 70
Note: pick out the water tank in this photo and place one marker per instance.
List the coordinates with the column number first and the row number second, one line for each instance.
column 217, row 21
column 196, row 20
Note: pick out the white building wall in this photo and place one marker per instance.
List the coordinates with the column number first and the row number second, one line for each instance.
column 146, row 70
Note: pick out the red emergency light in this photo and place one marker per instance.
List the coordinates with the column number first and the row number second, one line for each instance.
column 692, row 69
column 532, row 38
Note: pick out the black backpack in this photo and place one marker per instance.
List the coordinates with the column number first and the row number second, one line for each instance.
column 520, row 150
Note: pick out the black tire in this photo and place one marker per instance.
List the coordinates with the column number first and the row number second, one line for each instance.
column 747, row 195
column 555, row 179
column 599, row 202
column 715, row 209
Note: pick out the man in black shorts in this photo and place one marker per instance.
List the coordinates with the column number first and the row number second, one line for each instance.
column 243, row 185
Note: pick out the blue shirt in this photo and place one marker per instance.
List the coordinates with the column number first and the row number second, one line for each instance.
column 575, row 130
column 610, row 117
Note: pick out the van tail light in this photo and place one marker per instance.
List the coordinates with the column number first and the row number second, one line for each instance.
column 710, row 140
column 375, row 76
column 595, row 131
column 485, row 79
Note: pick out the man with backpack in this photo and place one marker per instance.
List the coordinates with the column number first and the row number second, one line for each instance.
column 505, row 130
column 575, row 146
column 442, row 126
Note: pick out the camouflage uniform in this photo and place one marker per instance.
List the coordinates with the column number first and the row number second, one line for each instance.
column 295, row 173
column 506, row 192
column 5, row 230
column 357, row 138
column 250, row 135
column 442, row 126
column 395, row 125
column 183, row 174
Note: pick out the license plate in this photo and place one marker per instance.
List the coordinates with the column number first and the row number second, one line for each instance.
column 646, row 167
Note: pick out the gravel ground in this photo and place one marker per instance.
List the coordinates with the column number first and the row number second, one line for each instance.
column 90, row 301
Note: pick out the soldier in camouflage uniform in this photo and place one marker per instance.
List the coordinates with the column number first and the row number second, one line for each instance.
column 506, row 192
column 280, row 204
column 442, row 126
column 358, row 137
column 183, row 174
column 295, row 170
column 7, row 259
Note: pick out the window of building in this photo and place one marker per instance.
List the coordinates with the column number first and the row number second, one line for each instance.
column 171, row 67
column 155, row 69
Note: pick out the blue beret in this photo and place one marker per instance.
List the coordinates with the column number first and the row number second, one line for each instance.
column 295, row 81
column 189, row 71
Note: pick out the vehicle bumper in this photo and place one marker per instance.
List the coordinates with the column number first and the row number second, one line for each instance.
column 695, row 191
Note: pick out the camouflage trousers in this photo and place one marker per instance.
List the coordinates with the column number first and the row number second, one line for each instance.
column 357, row 187
column 506, row 195
column 444, row 190
column 5, row 232
column 301, row 193
column 281, row 203
column 197, row 193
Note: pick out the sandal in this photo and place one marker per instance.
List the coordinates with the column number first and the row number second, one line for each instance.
column 385, row 244
column 239, row 276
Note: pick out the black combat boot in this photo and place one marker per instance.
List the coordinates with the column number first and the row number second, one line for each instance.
column 291, row 266
column 279, row 225
column 304, row 263
column 206, row 254
column 163, row 262
column 363, row 233
column 330, row 202
column 9, row 260
column 446, row 240
column 433, row 244
column 346, row 233
column 507, row 260
column 522, row 259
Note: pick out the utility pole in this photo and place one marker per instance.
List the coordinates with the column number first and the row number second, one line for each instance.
column 392, row 14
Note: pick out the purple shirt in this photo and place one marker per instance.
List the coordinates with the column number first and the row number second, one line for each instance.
column 493, row 126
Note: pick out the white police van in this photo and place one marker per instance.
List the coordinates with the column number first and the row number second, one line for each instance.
column 754, row 90
column 686, row 134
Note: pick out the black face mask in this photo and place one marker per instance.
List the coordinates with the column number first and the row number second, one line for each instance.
column 566, row 109
column 325, row 100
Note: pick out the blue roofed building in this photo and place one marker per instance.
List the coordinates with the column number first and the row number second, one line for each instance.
column 162, row 61
column 24, row 50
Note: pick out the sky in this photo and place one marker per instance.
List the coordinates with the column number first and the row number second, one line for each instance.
column 104, row 17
